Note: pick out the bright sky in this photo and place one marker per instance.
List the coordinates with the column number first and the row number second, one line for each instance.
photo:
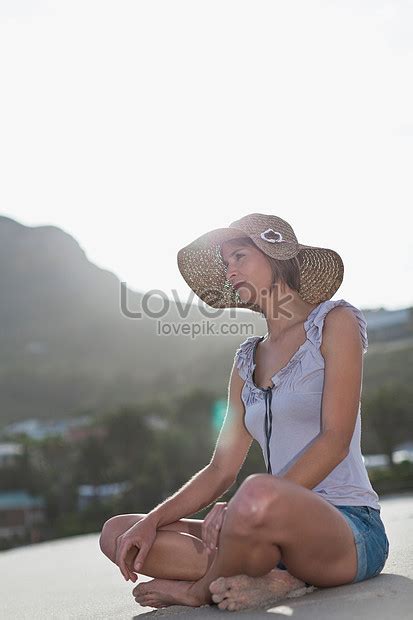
column 136, row 126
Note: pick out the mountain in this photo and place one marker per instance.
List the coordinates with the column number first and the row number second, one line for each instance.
column 65, row 343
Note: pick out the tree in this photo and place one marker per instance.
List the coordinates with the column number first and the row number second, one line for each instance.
column 388, row 413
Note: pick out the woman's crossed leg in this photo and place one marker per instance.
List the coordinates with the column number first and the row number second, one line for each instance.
column 268, row 519
column 177, row 553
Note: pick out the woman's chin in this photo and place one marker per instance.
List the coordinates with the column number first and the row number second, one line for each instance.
column 245, row 297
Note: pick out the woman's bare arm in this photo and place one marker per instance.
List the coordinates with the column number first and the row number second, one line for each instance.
column 234, row 440
column 218, row 476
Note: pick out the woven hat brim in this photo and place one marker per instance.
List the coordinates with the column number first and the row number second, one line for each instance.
column 200, row 264
column 321, row 273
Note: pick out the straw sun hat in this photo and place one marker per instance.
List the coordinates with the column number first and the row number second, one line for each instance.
column 202, row 267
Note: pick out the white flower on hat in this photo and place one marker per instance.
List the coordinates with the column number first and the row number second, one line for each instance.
column 278, row 236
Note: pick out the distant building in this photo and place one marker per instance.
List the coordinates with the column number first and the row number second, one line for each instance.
column 10, row 453
column 72, row 429
column 79, row 433
column 381, row 318
column 403, row 452
column 40, row 429
column 372, row 461
column 87, row 493
column 156, row 422
column 21, row 515
column 32, row 428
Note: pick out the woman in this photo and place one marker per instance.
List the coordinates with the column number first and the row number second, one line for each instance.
column 314, row 517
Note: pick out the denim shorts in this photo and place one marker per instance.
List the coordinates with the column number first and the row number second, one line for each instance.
column 370, row 537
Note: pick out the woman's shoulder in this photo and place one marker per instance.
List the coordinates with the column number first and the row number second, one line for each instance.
column 315, row 322
column 244, row 356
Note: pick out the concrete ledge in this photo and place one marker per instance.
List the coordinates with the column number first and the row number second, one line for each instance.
column 70, row 578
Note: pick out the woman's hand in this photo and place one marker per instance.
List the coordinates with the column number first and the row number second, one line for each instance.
column 141, row 535
column 212, row 524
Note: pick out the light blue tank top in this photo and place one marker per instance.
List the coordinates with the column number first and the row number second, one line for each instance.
column 286, row 418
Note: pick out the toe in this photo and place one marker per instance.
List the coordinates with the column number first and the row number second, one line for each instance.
column 144, row 601
column 223, row 604
column 218, row 586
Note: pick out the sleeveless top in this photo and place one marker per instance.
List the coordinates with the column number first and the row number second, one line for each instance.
column 286, row 418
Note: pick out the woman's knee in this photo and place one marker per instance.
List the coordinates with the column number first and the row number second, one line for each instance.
column 114, row 527
column 251, row 503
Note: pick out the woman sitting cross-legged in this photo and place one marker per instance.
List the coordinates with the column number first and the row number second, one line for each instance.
column 313, row 520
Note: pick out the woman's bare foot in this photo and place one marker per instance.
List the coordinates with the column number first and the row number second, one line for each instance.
column 164, row 592
column 232, row 593
column 244, row 592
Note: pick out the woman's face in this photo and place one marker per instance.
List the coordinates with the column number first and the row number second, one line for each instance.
column 247, row 264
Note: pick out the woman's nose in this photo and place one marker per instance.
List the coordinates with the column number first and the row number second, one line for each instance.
column 231, row 274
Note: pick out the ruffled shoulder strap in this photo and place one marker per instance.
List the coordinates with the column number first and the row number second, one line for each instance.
column 316, row 321
column 243, row 356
